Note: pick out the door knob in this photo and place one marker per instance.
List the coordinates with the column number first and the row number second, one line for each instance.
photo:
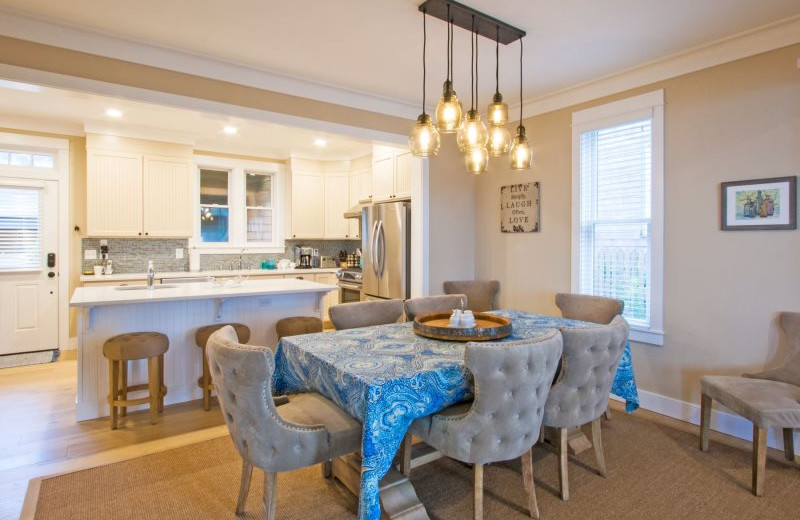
column 51, row 274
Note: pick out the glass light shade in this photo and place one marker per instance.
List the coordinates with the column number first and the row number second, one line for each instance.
column 448, row 111
column 521, row 154
column 499, row 140
column 477, row 159
column 473, row 133
column 424, row 139
column 497, row 112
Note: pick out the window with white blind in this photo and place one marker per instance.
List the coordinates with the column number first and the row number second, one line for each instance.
column 618, row 208
column 20, row 229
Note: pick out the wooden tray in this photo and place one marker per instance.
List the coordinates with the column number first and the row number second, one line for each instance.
column 437, row 326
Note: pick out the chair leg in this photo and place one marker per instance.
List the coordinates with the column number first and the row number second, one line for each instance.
column 113, row 389
column 162, row 389
column 206, row 383
column 597, row 442
column 327, row 469
column 705, row 421
column 527, row 480
column 607, row 413
column 563, row 460
column 244, row 487
column 788, row 443
column 153, row 387
column 477, row 492
column 123, row 386
column 405, row 455
column 759, row 459
column 270, row 489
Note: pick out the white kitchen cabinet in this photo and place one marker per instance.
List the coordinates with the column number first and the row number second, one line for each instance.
column 391, row 176
column 364, row 184
column 134, row 194
column 331, row 298
column 337, row 201
column 308, row 205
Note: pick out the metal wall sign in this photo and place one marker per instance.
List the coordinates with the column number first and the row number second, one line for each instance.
column 519, row 208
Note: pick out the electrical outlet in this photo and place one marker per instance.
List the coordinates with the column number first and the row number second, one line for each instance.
column 179, row 253
column 103, row 242
column 90, row 254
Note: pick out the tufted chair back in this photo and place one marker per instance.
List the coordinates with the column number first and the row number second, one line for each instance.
column 511, row 384
column 789, row 371
column 586, row 307
column 365, row 314
column 243, row 376
column 441, row 303
column 588, row 365
column 480, row 293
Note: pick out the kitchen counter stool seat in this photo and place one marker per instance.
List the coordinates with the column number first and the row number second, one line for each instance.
column 201, row 338
column 129, row 347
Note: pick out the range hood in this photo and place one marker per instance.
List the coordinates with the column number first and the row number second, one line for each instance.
column 354, row 211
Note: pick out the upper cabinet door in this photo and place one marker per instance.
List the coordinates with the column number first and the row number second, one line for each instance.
column 405, row 165
column 383, row 179
column 113, row 194
column 308, row 201
column 167, row 196
column 337, row 201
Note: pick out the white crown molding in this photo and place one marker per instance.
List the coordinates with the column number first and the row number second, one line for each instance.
column 749, row 43
column 35, row 124
column 138, row 132
column 40, row 30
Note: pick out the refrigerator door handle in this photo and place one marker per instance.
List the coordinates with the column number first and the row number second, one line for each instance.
column 382, row 249
column 373, row 253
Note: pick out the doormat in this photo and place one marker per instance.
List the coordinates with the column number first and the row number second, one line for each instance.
column 28, row 358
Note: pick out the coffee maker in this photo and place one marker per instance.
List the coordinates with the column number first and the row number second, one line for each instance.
column 305, row 258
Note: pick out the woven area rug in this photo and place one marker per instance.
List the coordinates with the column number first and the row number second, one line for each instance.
column 655, row 472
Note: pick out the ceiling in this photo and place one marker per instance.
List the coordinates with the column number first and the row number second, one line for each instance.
column 373, row 48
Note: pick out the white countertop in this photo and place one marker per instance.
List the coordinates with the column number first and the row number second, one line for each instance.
column 121, row 277
column 90, row 296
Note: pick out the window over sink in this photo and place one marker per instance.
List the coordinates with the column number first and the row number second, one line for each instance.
column 238, row 206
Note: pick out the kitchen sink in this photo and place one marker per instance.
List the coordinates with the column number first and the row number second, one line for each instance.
column 143, row 287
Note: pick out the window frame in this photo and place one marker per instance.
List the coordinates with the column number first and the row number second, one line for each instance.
column 237, row 206
column 644, row 106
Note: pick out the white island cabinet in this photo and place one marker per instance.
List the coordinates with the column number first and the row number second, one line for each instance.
column 178, row 311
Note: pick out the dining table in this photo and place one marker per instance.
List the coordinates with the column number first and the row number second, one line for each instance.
column 386, row 376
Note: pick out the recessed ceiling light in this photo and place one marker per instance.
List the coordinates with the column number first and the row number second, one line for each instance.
column 320, row 142
column 114, row 112
column 230, row 130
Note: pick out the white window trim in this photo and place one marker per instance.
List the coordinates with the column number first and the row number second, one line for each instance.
column 237, row 233
column 650, row 105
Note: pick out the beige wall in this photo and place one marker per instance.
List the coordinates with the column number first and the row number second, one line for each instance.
column 722, row 290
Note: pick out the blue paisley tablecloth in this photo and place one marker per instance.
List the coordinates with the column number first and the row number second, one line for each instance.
column 387, row 376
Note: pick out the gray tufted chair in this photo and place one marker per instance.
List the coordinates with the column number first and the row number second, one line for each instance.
column 511, row 384
column 441, row 303
column 308, row 430
column 580, row 394
column 480, row 293
column 768, row 398
column 365, row 314
column 586, row 307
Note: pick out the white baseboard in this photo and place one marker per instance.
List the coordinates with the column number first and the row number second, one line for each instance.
column 72, row 344
column 721, row 421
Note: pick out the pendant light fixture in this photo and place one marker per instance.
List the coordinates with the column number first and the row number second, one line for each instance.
column 497, row 112
column 448, row 111
column 424, row 138
column 473, row 132
column 521, row 155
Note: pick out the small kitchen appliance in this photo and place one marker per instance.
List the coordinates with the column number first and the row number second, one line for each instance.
column 305, row 258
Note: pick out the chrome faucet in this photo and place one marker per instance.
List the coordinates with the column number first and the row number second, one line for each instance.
column 151, row 274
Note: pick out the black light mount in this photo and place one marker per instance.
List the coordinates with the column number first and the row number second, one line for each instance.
column 462, row 16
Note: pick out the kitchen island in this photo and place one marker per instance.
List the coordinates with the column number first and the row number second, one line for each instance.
column 178, row 311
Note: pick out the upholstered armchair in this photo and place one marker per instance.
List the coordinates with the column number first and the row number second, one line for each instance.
column 480, row 293
column 442, row 303
column 586, row 307
column 580, row 394
column 503, row 422
column 364, row 314
column 767, row 399
column 308, row 430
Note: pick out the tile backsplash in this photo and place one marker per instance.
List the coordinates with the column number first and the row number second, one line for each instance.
column 130, row 255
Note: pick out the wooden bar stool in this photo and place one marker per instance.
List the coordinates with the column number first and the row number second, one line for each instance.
column 129, row 347
column 297, row 325
column 201, row 338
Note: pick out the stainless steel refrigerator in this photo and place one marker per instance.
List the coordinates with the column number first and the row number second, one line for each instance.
column 386, row 241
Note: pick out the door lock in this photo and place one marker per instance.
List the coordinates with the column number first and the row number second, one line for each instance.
column 51, row 259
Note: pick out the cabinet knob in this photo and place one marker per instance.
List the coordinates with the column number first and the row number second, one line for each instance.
column 140, row 233
column 147, row 233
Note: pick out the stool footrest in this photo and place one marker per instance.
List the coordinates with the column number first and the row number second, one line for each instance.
column 131, row 402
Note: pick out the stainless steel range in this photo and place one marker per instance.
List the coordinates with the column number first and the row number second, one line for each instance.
column 349, row 284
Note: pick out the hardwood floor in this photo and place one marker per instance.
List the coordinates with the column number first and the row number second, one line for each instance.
column 39, row 435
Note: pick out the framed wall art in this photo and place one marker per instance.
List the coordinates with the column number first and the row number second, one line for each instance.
column 759, row 204
column 519, row 208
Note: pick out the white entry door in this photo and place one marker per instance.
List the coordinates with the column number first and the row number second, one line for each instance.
column 28, row 265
